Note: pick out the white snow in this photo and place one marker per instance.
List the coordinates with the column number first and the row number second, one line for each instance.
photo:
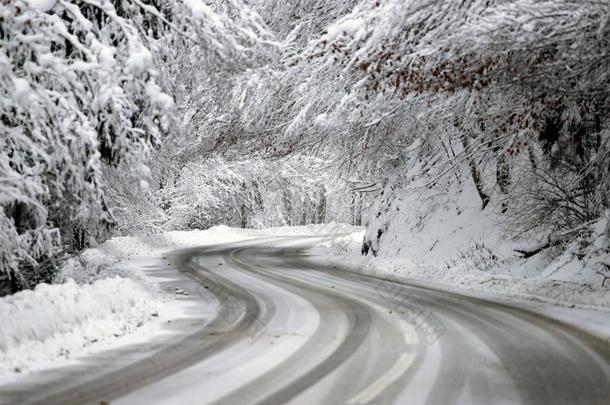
column 445, row 238
column 23, row 91
column 347, row 26
column 465, row 252
column 139, row 60
column 54, row 321
column 105, row 53
column 42, row 5
column 123, row 247
column 105, row 299
column 157, row 96
column 201, row 10
column 573, row 285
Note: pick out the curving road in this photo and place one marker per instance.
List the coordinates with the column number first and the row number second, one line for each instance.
column 290, row 330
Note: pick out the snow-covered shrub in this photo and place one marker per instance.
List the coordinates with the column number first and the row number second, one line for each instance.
column 89, row 266
column 479, row 257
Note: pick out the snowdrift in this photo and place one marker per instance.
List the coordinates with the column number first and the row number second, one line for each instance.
column 54, row 320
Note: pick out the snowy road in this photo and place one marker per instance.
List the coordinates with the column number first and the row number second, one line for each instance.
column 289, row 330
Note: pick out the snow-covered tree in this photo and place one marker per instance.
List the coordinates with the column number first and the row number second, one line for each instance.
column 253, row 193
column 88, row 91
column 507, row 78
column 152, row 115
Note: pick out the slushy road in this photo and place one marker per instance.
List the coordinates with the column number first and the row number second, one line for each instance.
column 290, row 330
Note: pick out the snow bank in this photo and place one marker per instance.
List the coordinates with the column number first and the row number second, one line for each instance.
column 55, row 321
column 441, row 235
column 451, row 243
column 96, row 264
column 579, row 304
column 123, row 247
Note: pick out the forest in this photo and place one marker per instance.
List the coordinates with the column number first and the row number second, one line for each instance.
column 137, row 117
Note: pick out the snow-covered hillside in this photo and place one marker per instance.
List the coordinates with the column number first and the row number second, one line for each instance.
column 451, row 242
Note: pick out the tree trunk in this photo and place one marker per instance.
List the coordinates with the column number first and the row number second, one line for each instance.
column 287, row 202
column 245, row 212
column 503, row 177
column 304, row 209
column 244, row 216
column 474, row 172
column 356, row 206
column 321, row 207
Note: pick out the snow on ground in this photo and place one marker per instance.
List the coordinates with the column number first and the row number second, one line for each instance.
column 460, row 248
column 122, row 247
column 573, row 285
column 585, row 307
column 452, row 241
column 105, row 298
column 54, row 322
